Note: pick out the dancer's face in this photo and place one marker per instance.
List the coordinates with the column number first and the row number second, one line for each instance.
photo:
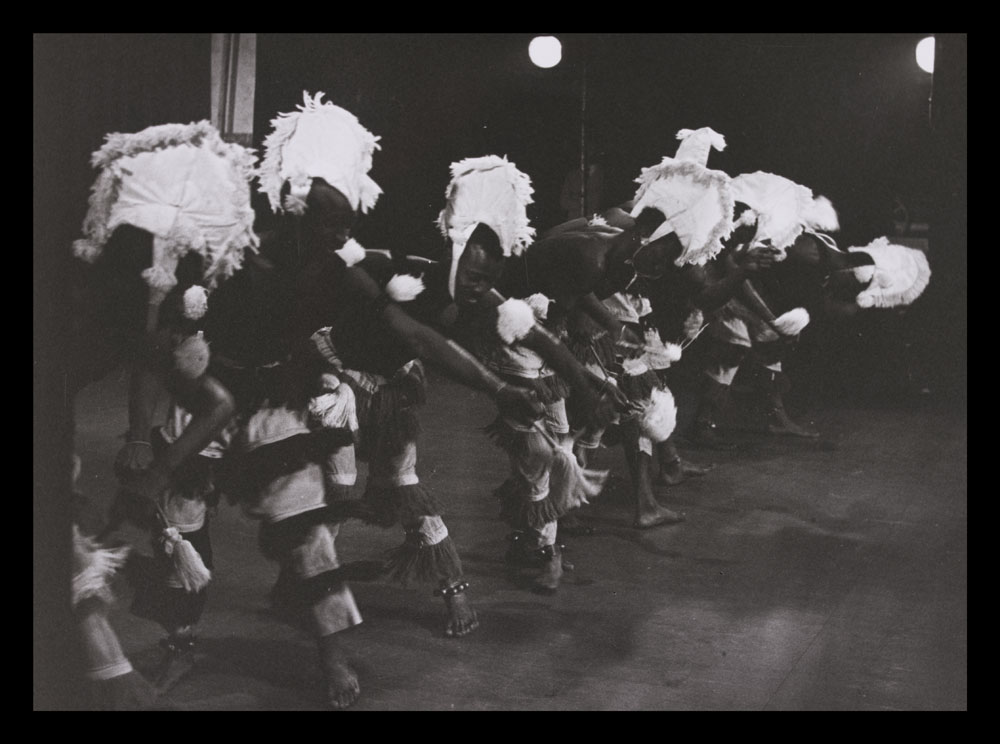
column 653, row 259
column 329, row 217
column 478, row 272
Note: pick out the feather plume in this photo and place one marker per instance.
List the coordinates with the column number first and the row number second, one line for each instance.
column 899, row 276
column 320, row 140
column 489, row 190
column 133, row 166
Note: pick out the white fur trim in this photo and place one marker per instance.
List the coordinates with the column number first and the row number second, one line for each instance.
column 823, row 216
column 159, row 278
column 403, row 287
column 87, row 250
column 515, row 319
column 747, row 217
column 659, row 417
column 195, row 302
column 294, row 204
column 864, row 274
column 352, row 252
column 899, row 277
column 792, row 322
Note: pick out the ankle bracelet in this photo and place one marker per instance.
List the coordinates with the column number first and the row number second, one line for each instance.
column 451, row 591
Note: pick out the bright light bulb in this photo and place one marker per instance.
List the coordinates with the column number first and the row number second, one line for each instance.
column 925, row 54
column 545, row 51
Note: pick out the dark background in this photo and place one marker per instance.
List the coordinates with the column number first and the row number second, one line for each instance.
column 846, row 114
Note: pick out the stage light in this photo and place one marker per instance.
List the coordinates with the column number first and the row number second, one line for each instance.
column 545, row 51
column 925, row 54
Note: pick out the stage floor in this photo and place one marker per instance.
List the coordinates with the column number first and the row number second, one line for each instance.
column 827, row 575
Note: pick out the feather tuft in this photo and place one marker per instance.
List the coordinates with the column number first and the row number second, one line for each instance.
column 195, row 302
column 403, row 287
column 188, row 564
column 659, row 416
column 515, row 319
column 899, row 276
column 351, row 253
column 792, row 322
column 539, row 305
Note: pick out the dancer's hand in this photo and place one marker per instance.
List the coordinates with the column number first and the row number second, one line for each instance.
column 132, row 459
column 757, row 258
column 522, row 404
column 602, row 406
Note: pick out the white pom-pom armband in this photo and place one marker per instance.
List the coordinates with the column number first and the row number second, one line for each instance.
column 515, row 319
column 403, row 287
column 195, row 302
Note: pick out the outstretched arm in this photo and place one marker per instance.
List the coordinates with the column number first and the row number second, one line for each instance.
column 431, row 346
column 211, row 407
column 738, row 266
column 601, row 405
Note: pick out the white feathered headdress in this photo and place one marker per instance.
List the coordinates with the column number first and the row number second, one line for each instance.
column 491, row 191
column 899, row 276
column 320, row 140
column 183, row 184
column 695, row 200
column 782, row 208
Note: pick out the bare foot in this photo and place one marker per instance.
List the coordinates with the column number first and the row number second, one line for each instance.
column 179, row 659
column 462, row 618
column 779, row 423
column 129, row 691
column 656, row 516
column 342, row 688
column 677, row 471
column 538, row 569
column 547, row 581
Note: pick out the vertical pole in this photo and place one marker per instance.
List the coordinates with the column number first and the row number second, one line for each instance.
column 583, row 141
